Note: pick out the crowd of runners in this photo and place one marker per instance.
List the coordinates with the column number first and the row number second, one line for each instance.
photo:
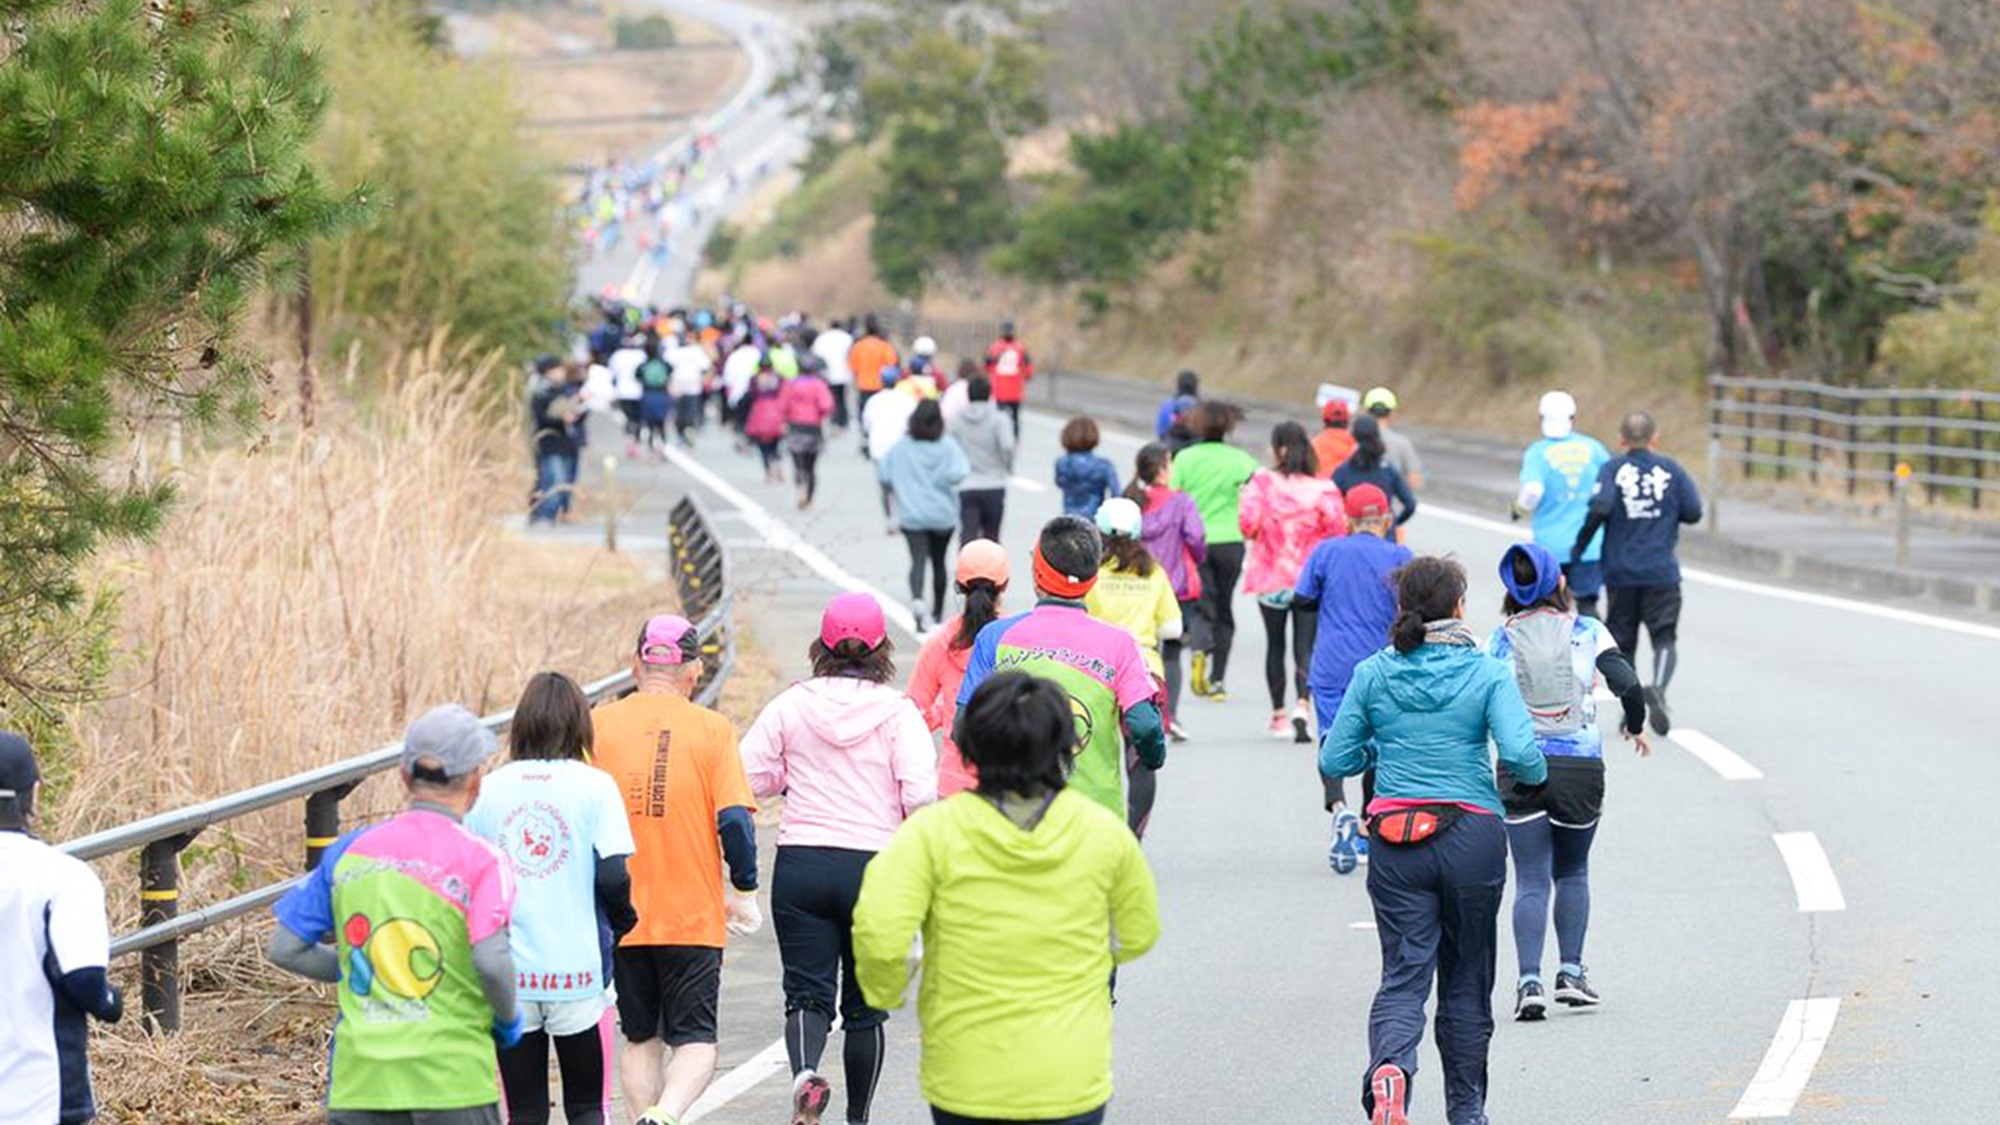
column 978, row 829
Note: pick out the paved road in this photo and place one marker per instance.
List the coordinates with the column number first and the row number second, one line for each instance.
column 1254, row 1005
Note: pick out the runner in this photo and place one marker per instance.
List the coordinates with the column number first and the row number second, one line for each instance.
column 1010, row 368
column 1334, row 443
column 1641, row 501
column 1133, row 591
column 1175, row 538
column 764, row 419
column 832, row 347
column 1346, row 583
column 410, row 917
column 1214, row 472
column 690, row 806
column 1369, row 464
column 923, row 471
column 982, row 582
column 691, row 365
column 741, row 366
column 1382, row 404
column 806, row 404
column 852, row 758
column 1557, row 475
column 656, row 400
column 973, row 876
column 1099, row 665
column 52, row 965
column 1085, row 479
column 989, row 453
column 561, row 823
column 1422, row 716
column 1285, row 512
column 1557, row 656
column 629, row 390
column 885, row 420
column 871, row 354
column 1173, row 412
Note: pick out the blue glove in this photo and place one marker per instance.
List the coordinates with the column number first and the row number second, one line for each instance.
column 507, row 1032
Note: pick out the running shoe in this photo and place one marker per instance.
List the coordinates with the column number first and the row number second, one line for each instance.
column 810, row 1097
column 1279, row 726
column 1177, row 732
column 658, row 1116
column 1198, row 672
column 1301, row 723
column 1391, row 1090
column 1656, row 708
column 1573, row 990
column 1361, row 847
column 1340, row 854
column 1530, row 1005
column 922, row 614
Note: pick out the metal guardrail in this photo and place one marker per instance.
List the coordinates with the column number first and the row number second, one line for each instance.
column 702, row 575
column 1945, row 441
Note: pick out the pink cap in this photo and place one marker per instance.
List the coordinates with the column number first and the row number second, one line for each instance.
column 667, row 640
column 855, row 617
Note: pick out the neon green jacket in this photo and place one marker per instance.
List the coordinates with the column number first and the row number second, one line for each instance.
column 1214, row 473
column 1021, row 928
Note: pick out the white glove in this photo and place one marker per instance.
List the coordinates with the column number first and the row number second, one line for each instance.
column 743, row 916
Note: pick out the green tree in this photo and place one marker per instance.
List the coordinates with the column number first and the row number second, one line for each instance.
column 153, row 169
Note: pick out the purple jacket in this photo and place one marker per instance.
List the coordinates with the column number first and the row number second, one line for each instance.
column 1173, row 533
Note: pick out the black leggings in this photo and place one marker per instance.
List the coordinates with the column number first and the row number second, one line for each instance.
column 524, row 1073
column 1305, row 627
column 813, row 891
column 1217, row 608
column 767, row 452
column 805, row 467
column 928, row 547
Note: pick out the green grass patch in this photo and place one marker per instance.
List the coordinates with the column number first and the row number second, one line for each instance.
column 820, row 207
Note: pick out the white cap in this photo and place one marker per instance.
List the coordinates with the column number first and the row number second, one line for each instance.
column 1119, row 516
column 924, row 346
column 1558, row 411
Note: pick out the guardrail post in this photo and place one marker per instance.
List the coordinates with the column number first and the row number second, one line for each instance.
column 1902, row 488
column 611, row 503
column 159, row 901
column 1715, row 486
column 323, row 821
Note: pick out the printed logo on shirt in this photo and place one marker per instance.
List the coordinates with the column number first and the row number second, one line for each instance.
column 392, row 966
column 653, row 801
column 1082, row 662
column 536, row 837
column 1570, row 460
column 1642, row 491
column 1085, row 725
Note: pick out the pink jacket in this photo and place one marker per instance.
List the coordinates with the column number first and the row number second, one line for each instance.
column 1284, row 517
column 806, row 401
column 852, row 758
column 934, row 689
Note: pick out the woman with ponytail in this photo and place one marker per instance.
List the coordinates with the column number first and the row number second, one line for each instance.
column 982, row 580
column 1422, row 715
column 1172, row 530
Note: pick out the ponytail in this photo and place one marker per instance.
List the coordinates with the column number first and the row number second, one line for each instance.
column 1428, row 589
column 982, row 607
column 1407, row 631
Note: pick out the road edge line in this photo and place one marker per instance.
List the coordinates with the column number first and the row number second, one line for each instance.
column 1789, row 1063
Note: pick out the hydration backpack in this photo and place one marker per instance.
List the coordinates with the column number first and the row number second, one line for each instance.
column 1545, row 667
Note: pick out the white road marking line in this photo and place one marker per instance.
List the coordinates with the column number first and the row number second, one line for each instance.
column 1715, row 755
column 784, row 538
column 1361, row 925
column 1812, row 873
column 1026, row 485
column 1789, row 1064
column 764, row 1064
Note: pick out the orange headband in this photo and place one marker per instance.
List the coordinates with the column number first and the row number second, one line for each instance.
column 1057, row 584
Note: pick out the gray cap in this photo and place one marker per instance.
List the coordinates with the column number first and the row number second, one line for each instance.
column 447, row 740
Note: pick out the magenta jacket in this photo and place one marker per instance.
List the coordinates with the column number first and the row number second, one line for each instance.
column 1173, row 534
column 1283, row 517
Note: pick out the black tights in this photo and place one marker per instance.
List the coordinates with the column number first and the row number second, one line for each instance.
column 860, row 1055
column 524, row 1073
column 1305, row 627
column 805, row 467
column 928, row 548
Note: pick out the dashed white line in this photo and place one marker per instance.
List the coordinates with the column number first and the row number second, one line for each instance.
column 767, row 1063
column 1812, row 873
column 1361, row 925
column 1789, row 1064
column 1725, row 762
column 1026, row 485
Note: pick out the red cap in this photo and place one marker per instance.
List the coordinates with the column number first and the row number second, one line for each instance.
column 1365, row 501
column 1335, row 410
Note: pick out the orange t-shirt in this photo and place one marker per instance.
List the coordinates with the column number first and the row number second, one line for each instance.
column 677, row 765
column 867, row 358
column 1331, row 447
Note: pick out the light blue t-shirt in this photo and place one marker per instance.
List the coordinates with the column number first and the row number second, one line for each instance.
column 1588, row 639
column 1566, row 468
column 553, row 820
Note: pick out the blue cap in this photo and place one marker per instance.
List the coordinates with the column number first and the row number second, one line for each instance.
column 1548, row 572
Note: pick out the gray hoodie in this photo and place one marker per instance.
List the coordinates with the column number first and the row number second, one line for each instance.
column 988, row 439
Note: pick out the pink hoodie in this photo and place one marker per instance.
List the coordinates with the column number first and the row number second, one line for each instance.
column 852, row 758
column 1284, row 516
column 934, row 689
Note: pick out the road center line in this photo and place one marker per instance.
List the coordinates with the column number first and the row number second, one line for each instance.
column 1715, row 755
column 767, row 1063
column 1789, row 1064
column 1026, row 485
column 1812, row 874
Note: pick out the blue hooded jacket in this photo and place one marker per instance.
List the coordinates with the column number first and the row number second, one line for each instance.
column 1423, row 721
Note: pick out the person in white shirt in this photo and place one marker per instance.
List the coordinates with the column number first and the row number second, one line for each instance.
column 884, row 422
column 52, row 960
column 832, row 346
column 691, row 365
column 627, row 389
column 737, row 372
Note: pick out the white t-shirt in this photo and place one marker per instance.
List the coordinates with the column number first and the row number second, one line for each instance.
column 50, row 906
column 690, row 365
column 554, row 819
column 599, row 389
column 886, row 420
column 832, row 346
column 625, row 364
column 739, row 369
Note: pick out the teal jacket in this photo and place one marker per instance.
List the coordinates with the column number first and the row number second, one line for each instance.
column 1422, row 722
